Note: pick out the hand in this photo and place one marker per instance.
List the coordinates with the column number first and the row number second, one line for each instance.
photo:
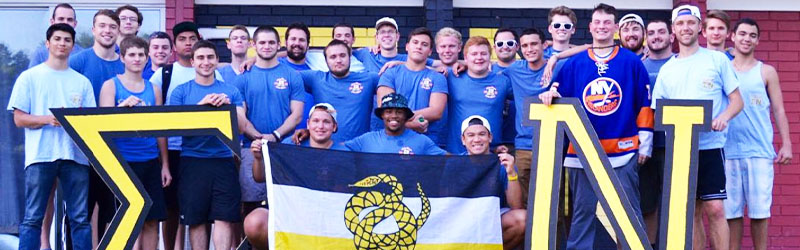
column 458, row 68
column 507, row 161
column 375, row 49
column 719, row 123
column 642, row 159
column 255, row 148
column 547, row 74
column 49, row 120
column 784, row 155
column 389, row 65
column 215, row 100
column 547, row 44
column 502, row 149
column 300, row 135
column 416, row 125
column 247, row 64
column 442, row 70
column 131, row 101
column 269, row 138
column 548, row 96
column 166, row 177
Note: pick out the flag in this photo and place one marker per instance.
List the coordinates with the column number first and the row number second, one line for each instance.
column 327, row 199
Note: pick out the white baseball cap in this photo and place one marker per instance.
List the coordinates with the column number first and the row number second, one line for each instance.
column 686, row 9
column 631, row 18
column 479, row 120
column 386, row 20
column 327, row 107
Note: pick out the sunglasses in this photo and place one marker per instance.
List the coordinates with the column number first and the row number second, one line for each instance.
column 509, row 43
column 567, row 26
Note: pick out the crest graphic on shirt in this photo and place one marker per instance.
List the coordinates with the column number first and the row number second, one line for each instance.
column 708, row 84
column 490, row 92
column 76, row 99
column 602, row 96
column 281, row 83
column 426, row 83
column 406, row 151
column 356, row 87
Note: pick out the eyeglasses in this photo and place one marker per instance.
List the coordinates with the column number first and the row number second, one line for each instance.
column 131, row 19
column 509, row 43
column 567, row 26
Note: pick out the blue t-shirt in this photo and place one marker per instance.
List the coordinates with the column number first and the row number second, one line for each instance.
column 549, row 52
column 509, row 110
column 525, row 83
column 351, row 96
column 308, row 99
column 136, row 149
column 35, row 91
column 417, row 87
column 97, row 70
column 374, row 63
column 268, row 94
column 228, row 74
column 653, row 67
column 148, row 71
column 408, row 143
column 475, row 96
column 191, row 93
column 307, row 143
column 41, row 54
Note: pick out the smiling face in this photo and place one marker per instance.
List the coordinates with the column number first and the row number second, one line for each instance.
column 129, row 22
column 60, row 44
column 448, row 48
column 394, row 120
column 505, row 53
column 419, row 48
column 321, row 126
column 658, row 37
column 686, row 29
column 386, row 37
column 602, row 27
column 531, row 46
column 478, row 59
column 160, row 51
column 476, row 138
column 267, row 45
column 205, row 62
column 134, row 59
column 105, row 31
column 561, row 33
column 745, row 38
column 238, row 42
column 715, row 32
column 632, row 36
column 338, row 60
column 296, row 44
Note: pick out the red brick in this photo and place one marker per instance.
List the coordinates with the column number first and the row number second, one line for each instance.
column 789, row 80
column 788, row 46
column 787, row 179
column 784, row 16
column 790, row 231
column 783, row 56
column 757, row 15
column 784, row 36
column 788, row 66
column 767, row 46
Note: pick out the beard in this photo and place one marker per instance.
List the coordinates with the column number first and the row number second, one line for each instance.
column 340, row 73
column 296, row 56
column 267, row 57
column 636, row 47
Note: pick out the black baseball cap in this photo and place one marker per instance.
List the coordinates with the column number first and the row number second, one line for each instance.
column 184, row 27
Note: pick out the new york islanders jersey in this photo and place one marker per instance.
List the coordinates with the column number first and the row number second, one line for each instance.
column 614, row 93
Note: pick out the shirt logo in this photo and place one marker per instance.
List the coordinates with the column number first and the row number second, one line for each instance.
column 76, row 99
column 602, row 96
column 756, row 100
column 281, row 83
column 426, row 83
column 625, row 144
column 356, row 87
column 490, row 92
column 406, row 151
column 708, row 84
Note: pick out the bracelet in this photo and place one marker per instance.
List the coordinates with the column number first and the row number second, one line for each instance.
column 513, row 177
column 277, row 135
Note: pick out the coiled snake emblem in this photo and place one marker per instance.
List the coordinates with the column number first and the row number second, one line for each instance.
column 387, row 205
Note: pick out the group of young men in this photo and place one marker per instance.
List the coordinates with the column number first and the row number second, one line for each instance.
column 378, row 100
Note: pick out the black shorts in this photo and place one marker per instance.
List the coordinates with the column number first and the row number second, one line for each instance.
column 100, row 194
column 711, row 175
column 651, row 179
column 209, row 190
column 149, row 174
column 171, row 191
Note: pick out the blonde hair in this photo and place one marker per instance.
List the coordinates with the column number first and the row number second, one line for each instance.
column 447, row 31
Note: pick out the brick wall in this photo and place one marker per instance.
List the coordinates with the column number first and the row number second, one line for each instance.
column 779, row 46
column 178, row 11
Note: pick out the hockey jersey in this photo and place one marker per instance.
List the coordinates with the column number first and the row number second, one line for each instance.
column 614, row 93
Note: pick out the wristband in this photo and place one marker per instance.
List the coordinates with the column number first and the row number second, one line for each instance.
column 277, row 135
column 513, row 177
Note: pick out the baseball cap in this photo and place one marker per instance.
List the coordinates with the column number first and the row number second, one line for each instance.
column 386, row 20
column 686, row 9
column 394, row 101
column 475, row 120
column 184, row 27
column 631, row 18
column 327, row 107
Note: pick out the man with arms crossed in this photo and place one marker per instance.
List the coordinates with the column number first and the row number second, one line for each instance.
column 699, row 73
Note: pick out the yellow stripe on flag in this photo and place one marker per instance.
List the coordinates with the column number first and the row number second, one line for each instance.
column 284, row 240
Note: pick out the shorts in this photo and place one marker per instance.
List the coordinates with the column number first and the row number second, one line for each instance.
column 171, row 191
column 651, row 179
column 209, row 190
column 149, row 174
column 100, row 194
column 252, row 191
column 711, row 175
column 749, row 181
column 523, row 162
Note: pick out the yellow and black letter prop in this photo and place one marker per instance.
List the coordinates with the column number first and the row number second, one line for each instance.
column 550, row 123
column 682, row 120
column 93, row 130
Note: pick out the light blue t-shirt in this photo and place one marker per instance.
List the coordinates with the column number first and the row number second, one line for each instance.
column 750, row 132
column 706, row 75
column 417, row 87
column 525, row 83
column 316, row 60
column 475, row 96
column 351, row 96
column 96, row 69
column 408, row 143
column 191, row 93
column 35, row 92
column 180, row 75
column 136, row 149
column 268, row 94
column 41, row 54
column 374, row 63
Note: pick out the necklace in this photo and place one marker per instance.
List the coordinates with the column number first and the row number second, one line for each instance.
column 600, row 61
